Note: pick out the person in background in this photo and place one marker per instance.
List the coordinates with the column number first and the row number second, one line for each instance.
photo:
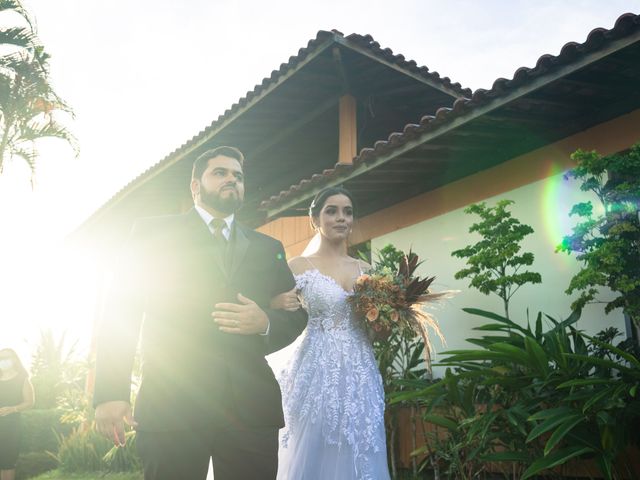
column 16, row 395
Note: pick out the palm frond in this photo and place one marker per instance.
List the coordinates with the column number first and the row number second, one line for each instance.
column 27, row 99
column 17, row 7
column 51, row 129
column 18, row 36
column 29, row 156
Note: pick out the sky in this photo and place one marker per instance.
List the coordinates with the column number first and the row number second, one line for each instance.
column 144, row 76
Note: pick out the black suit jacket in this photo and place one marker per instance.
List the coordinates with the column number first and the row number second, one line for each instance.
column 193, row 375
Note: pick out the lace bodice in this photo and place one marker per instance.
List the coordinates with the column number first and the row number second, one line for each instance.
column 326, row 302
column 333, row 378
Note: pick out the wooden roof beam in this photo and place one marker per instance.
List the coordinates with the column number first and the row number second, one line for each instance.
column 348, row 130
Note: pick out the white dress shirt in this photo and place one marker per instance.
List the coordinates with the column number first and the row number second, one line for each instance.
column 207, row 217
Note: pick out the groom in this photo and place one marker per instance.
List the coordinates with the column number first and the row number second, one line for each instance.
column 202, row 282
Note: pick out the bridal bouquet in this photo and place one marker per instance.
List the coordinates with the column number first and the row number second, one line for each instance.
column 391, row 298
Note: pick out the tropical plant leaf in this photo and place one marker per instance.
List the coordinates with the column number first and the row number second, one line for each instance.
column 549, row 424
column 603, row 362
column 405, row 396
column 605, row 464
column 551, row 412
column 581, row 382
column 441, row 421
column 621, row 353
column 18, row 37
column 517, row 355
column 495, row 316
column 513, row 456
column 538, row 356
column 560, row 432
column 555, row 459
column 493, row 327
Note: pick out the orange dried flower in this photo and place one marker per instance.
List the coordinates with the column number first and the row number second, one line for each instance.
column 372, row 314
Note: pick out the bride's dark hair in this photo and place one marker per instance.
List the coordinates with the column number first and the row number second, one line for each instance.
column 321, row 198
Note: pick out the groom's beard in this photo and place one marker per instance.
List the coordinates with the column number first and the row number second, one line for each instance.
column 228, row 205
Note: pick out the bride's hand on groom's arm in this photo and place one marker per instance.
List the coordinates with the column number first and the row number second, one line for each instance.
column 286, row 301
column 243, row 318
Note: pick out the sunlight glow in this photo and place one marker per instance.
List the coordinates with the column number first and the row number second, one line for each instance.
column 43, row 283
column 560, row 195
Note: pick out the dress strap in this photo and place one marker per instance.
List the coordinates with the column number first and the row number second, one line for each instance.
column 316, row 268
column 310, row 262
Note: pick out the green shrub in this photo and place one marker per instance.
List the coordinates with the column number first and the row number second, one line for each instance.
column 535, row 397
column 59, row 475
column 607, row 243
column 34, row 463
column 40, row 429
column 124, row 459
column 83, row 452
column 495, row 263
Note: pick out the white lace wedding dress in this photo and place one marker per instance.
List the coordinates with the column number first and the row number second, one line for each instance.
column 332, row 393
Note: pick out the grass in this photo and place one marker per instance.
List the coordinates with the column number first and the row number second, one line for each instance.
column 58, row 475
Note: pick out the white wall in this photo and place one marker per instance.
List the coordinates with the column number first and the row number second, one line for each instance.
column 545, row 206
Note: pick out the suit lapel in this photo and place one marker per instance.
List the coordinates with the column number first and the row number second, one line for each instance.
column 239, row 250
column 239, row 247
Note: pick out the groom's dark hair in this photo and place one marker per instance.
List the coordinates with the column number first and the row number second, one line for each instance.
column 200, row 163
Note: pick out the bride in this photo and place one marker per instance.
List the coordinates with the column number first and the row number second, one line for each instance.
column 332, row 390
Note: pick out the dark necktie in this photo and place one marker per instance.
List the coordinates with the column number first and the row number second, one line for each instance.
column 218, row 225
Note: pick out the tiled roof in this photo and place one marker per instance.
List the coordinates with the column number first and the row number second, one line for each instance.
column 367, row 42
column 323, row 38
column 598, row 39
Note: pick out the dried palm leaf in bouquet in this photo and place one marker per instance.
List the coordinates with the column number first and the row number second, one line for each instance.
column 393, row 300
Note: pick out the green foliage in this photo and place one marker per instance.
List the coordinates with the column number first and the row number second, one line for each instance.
column 389, row 257
column 361, row 251
column 535, row 397
column 39, row 430
column 401, row 362
column 608, row 243
column 28, row 103
column 59, row 475
column 73, row 401
column 34, row 463
column 83, row 451
column 495, row 263
column 124, row 459
column 400, row 358
column 54, row 370
column 88, row 451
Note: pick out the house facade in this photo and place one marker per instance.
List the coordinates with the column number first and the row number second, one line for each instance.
column 415, row 149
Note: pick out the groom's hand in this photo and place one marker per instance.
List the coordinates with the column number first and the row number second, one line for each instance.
column 244, row 318
column 110, row 419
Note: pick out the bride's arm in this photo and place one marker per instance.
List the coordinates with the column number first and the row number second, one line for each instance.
column 286, row 301
column 289, row 300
